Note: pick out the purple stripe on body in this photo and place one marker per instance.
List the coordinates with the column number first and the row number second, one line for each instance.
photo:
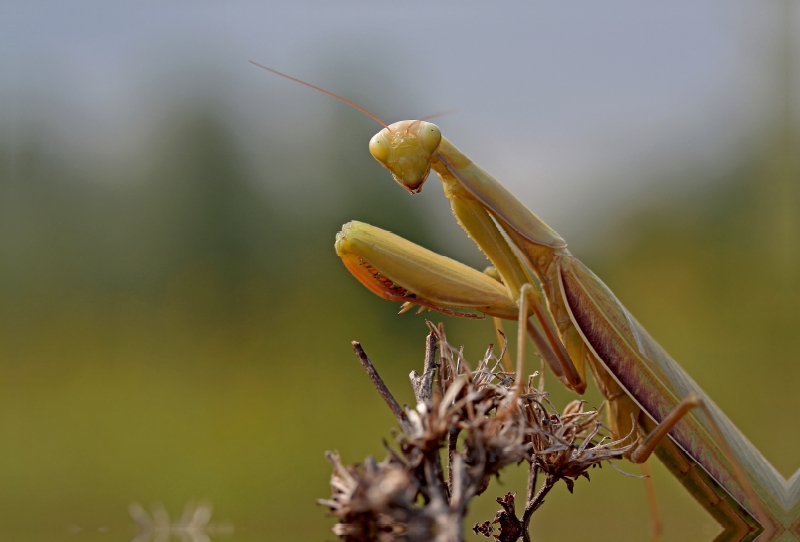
column 642, row 386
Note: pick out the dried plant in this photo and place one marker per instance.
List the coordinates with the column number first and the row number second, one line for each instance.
column 485, row 423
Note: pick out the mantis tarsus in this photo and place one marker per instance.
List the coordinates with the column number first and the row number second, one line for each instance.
column 579, row 322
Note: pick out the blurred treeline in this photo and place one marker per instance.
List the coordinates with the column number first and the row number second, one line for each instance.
column 180, row 330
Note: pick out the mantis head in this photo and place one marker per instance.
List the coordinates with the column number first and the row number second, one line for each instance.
column 406, row 148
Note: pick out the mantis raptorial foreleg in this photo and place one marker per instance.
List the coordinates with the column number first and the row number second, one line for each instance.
column 399, row 270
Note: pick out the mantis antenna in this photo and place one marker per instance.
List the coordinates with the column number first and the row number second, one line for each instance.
column 439, row 114
column 315, row 87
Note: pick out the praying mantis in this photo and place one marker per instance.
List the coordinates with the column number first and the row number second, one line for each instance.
column 574, row 320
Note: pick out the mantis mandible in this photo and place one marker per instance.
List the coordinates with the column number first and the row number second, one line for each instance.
column 578, row 322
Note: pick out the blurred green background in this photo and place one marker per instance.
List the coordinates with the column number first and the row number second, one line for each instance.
column 174, row 323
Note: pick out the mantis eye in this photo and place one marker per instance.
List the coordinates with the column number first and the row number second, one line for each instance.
column 430, row 137
column 379, row 148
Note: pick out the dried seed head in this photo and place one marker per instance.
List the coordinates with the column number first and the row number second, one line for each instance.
column 485, row 425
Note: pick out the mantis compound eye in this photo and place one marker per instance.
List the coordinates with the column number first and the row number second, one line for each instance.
column 430, row 137
column 379, row 148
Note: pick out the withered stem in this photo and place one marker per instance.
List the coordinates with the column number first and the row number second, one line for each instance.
column 423, row 385
column 436, row 460
column 534, row 505
column 533, row 474
column 377, row 381
column 452, row 441
column 435, row 488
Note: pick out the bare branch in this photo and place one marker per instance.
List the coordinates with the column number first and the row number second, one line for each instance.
column 377, row 381
column 423, row 385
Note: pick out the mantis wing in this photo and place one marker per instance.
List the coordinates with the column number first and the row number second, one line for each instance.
column 656, row 383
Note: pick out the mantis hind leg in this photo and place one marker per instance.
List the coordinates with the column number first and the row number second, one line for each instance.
column 656, row 525
column 737, row 523
column 622, row 413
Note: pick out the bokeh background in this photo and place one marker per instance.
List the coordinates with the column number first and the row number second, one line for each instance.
column 174, row 323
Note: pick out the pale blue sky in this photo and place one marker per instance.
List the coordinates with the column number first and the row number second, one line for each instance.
column 566, row 103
